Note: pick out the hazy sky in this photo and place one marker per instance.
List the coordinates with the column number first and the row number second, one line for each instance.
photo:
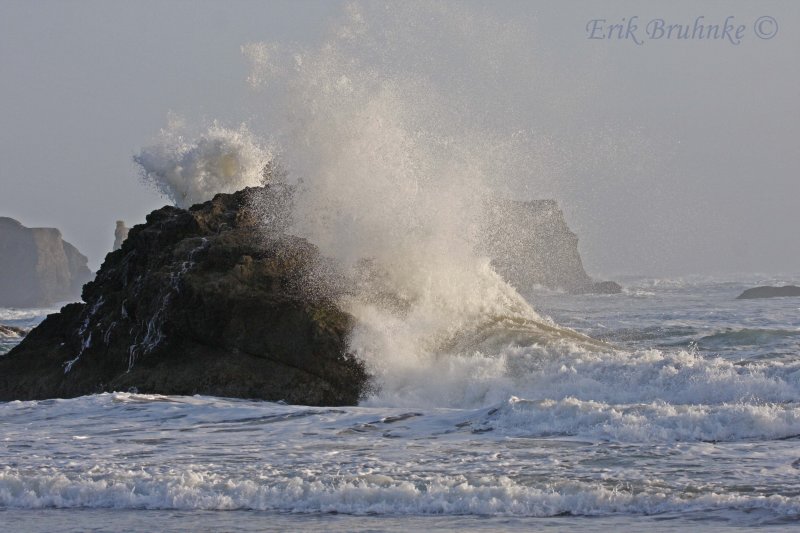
column 676, row 157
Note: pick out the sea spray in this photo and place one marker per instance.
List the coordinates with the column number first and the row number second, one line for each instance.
column 394, row 185
column 389, row 175
column 191, row 170
column 389, row 178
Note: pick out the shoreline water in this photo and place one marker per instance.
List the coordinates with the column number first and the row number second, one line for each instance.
column 245, row 521
column 694, row 423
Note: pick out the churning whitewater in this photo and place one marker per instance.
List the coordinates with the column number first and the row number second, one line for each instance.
column 633, row 404
column 646, row 428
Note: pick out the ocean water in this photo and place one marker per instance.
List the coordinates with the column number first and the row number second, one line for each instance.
column 688, row 418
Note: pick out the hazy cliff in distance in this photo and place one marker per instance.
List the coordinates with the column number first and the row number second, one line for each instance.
column 38, row 267
column 531, row 245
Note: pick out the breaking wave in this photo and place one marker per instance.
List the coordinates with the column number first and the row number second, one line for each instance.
column 192, row 170
column 204, row 453
column 390, row 177
column 186, row 489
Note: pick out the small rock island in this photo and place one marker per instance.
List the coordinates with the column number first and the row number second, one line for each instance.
column 769, row 292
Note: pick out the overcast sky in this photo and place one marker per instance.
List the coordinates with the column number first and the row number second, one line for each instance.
column 679, row 157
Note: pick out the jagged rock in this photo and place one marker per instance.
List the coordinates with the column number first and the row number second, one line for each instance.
column 531, row 245
column 769, row 292
column 120, row 234
column 603, row 287
column 37, row 267
column 201, row 301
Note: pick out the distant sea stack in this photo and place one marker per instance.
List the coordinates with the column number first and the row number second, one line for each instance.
column 207, row 300
column 769, row 292
column 530, row 244
column 120, row 234
column 37, row 267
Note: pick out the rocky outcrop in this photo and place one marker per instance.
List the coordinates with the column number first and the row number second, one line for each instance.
column 37, row 267
column 769, row 292
column 531, row 245
column 201, row 301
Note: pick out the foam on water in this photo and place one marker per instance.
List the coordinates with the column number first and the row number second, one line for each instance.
column 653, row 422
column 559, row 371
column 155, row 452
column 186, row 489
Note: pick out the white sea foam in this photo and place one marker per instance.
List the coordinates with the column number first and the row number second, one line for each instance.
column 187, row 489
column 161, row 452
column 560, row 371
column 653, row 422
column 215, row 454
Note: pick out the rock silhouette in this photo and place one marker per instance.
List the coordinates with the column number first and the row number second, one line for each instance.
column 769, row 292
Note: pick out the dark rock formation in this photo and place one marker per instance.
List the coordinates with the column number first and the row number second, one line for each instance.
column 769, row 292
column 201, row 301
column 37, row 267
column 530, row 244
column 120, row 234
